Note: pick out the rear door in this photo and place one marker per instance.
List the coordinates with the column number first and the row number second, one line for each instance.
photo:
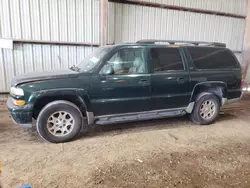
column 169, row 78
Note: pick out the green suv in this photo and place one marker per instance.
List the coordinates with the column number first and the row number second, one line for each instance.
column 148, row 79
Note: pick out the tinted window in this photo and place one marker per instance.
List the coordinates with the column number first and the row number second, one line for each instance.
column 165, row 59
column 93, row 59
column 212, row 58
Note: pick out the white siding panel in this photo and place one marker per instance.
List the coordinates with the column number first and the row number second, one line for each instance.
column 29, row 58
column 3, row 97
column 96, row 20
column 177, row 25
column 118, row 21
column 9, row 66
column 46, row 57
column 55, row 57
column 35, row 20
column 56, row 20
column 5, row 19
column 111, row 22
column 80, row 51
column 71, row 20
column 88, row 21
column 26, row 19
column 228, row 6
column 80, row 23
column 45, row 19
column 18, row 59
column 248, row 75
column 64, row 56
column 72, row 56
column 38, row 57
column 3, row 86
column 63, row 22
column 15, row 19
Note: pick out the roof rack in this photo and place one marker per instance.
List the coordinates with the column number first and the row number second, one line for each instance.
column 196, row 43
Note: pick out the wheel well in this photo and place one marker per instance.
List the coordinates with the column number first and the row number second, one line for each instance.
column 218, row 91
column 46, row 100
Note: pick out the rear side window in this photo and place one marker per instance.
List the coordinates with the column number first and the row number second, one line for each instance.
column 165, row 59
column 212, row 58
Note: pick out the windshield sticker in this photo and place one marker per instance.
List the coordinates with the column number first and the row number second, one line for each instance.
column 94, row 59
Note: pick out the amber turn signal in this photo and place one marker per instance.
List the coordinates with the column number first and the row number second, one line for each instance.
column 19, row 102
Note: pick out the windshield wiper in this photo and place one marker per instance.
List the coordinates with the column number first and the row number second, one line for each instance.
column 75, row 68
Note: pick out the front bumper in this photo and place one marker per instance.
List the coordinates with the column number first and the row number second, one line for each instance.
column 21, row 115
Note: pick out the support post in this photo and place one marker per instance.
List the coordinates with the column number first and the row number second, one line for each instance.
column 103, row 22
column 246, row 46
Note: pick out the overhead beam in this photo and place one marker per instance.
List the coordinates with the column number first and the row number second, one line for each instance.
column 181, row 8
column 45, row 42
column 62, row 43
column 103, row 22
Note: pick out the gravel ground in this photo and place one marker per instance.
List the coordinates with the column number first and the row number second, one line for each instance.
column 161, row 153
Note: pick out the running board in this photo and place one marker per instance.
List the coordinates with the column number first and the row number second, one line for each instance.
column 119, row 118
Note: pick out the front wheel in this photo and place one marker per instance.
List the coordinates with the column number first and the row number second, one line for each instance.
column 59, row 121
column 206, row 109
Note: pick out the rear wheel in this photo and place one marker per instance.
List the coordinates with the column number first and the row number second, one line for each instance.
column 206, row 109
column 59, row 121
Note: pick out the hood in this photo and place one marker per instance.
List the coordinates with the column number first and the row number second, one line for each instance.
column 45, row 75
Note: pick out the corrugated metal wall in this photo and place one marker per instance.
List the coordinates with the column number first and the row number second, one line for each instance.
column 78, row 21
column 51, row 20
column 228, row 6
column 135, row 22
column 56, row 20
column 28, row 58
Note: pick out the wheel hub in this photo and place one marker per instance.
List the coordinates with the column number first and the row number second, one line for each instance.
column 207, row 109
column 60, row 123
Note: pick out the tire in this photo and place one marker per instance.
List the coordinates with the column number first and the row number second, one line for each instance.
column 202, row 109
column 59, row 121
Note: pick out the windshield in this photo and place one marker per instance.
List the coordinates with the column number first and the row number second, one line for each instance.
column 93, row 59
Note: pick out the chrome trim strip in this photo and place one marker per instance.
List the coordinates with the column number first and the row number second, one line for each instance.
column 233, row 100
column 138, row 113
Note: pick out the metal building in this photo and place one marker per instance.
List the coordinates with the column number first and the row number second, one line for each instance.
column 50, row 34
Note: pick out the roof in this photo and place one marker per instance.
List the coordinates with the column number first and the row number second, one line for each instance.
column 182, row 43
column 177, row 43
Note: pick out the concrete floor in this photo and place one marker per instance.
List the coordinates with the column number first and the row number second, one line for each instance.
column 161, row 153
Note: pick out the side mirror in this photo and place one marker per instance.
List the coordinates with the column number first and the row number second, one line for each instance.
column 107, row 70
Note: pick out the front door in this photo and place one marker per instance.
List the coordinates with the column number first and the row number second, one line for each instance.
column 127, row 88
column 169, row 78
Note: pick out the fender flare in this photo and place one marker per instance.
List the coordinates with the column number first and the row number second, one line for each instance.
column 212, row 84
column 209, row 84
column 80, row 94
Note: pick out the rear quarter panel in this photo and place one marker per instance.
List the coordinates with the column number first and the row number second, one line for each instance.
column 231, row 77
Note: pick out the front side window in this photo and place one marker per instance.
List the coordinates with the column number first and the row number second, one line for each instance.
column 165, row 59
column 126, row 61
column 93, row 59
column 212, row 58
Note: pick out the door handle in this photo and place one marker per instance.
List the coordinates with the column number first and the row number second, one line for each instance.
column 143, row 81
column 180, row 79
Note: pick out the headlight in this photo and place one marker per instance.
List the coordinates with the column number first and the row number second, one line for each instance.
column 16, row 91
